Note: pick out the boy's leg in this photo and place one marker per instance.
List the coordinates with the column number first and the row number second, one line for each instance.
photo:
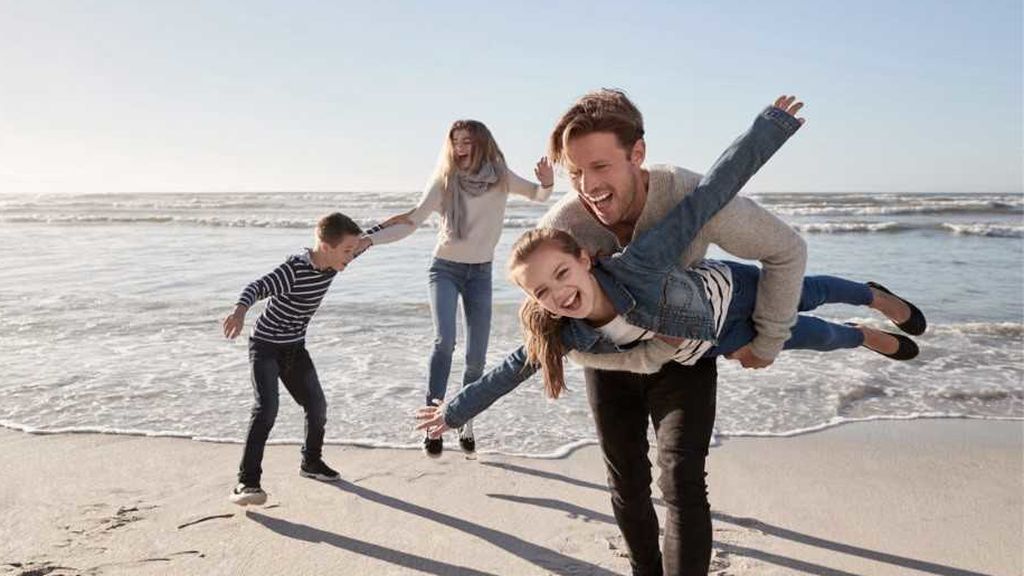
column 302, row 382
column 818, row 290
column 444, row 295
column 263, row 360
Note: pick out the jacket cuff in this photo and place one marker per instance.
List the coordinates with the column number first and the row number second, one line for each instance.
column 787, row 122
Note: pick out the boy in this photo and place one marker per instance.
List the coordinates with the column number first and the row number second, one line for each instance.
column 277, row 348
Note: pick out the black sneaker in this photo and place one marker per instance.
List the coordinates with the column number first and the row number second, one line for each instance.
column 466, row 440
column 244, row 495
column 433, row 446
column 319, row 470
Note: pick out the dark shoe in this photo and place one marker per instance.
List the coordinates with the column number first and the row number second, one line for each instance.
column 907, row 349
column 433, row 446
column 319, row 470
column 916, row 324
column 244, row 495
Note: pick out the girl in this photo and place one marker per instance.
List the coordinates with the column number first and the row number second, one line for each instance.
column 578, row 304
column 469, row 190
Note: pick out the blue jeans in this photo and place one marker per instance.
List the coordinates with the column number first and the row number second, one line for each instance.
column 810, row 332
column 289, row 363
column 448, row 281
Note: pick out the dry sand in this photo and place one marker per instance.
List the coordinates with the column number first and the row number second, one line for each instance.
column 910, row 497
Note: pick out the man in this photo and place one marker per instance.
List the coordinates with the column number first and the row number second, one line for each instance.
column 600, row 142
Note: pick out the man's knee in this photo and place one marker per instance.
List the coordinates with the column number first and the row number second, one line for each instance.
column 682, row 480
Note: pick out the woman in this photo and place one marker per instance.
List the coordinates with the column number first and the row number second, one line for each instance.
column 469, row 190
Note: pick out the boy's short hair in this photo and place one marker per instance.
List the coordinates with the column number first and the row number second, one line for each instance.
column 604, row 110
column 332, row 228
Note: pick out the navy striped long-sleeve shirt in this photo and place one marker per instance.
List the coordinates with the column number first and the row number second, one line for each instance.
column 295, row 289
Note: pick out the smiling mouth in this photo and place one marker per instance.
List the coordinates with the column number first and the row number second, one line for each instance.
column 597, row 200
column 572, row 303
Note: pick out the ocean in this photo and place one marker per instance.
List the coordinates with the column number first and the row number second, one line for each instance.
column 111, row 308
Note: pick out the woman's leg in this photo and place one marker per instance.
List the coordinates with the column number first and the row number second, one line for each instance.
column 812, row 333
column 444, row 295
column 476, row 305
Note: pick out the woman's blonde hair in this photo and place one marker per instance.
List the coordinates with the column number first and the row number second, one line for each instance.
column 542, row 330
column 485, row 149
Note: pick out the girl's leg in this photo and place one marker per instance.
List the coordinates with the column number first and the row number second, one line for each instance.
column 812, row 333
column 818, row 290
column 444, row 295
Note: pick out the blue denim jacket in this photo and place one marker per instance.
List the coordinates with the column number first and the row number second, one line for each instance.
column 644, row 281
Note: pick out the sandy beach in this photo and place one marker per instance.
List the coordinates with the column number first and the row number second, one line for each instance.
column 892, row 497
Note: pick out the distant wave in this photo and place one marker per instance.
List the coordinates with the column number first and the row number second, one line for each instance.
column 974, row 229
column 515, row 222
column 953, row 208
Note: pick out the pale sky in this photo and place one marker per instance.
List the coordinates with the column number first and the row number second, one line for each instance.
column 195, row 96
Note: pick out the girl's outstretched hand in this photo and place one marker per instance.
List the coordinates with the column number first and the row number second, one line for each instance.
column 431, row 419
column 790, row 105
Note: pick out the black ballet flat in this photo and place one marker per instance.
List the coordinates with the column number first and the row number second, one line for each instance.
column 907, row 349
column 916, row 324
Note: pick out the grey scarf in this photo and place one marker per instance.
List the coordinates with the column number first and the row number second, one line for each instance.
column 461, row 185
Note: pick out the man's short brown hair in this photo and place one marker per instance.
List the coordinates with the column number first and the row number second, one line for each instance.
column 604, row 110
column 332, row 228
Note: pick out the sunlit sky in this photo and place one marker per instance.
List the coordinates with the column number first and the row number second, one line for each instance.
column 130, row 96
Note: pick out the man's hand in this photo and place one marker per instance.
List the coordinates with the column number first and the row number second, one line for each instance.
column 431, row 419
column 790, row 105
column 748, row 359
column 544, row 172
column 234, row 322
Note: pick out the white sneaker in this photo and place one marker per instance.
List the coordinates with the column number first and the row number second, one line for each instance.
column 466, row 439
column 245, row 495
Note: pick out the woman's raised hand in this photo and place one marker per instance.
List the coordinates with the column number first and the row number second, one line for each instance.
column 790, row 105
column 545, row 172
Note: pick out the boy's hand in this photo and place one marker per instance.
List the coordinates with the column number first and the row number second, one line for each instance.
column 748, row 359
column 544, row 172
column 431, row 419
column 790, row 105
column 234, row 322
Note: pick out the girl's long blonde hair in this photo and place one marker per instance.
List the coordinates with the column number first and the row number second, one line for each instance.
column 542, row 330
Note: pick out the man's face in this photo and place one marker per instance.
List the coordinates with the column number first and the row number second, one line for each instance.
column 606, row 176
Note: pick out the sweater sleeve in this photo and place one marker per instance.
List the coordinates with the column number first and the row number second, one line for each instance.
column 747, row 230
column 430, row 201
column 522, row 187
column 278, row 282
column 645, row 358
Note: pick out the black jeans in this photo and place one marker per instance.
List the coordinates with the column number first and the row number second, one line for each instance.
column 680, row 402
column 291, row 364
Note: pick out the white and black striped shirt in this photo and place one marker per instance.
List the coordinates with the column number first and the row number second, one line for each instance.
column 295, row 289
column 717, row 279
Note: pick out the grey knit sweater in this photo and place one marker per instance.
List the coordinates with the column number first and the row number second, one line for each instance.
column 743, row 228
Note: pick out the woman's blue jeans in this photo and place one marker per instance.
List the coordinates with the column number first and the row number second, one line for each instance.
column 448, row 281
column 809, row 332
